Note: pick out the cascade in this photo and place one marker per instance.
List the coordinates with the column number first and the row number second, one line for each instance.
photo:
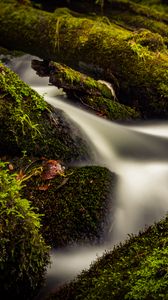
column 136, row 152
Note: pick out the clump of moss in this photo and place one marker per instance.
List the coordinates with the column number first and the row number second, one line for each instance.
column 16, row 102
column 28, row 123
column 94, row 95
column 153, row 41
column 136, row 269
column 111, row 109
column 74, row 205
column 24, row 255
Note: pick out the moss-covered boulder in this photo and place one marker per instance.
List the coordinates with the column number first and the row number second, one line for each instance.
column 74, row 202
column 28, row 123
column 134, row 270
column 24, row 255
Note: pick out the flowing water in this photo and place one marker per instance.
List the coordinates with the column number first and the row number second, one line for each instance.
column 136, row 152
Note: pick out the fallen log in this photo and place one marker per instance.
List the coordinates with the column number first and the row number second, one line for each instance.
column 140, row 72
column 132, row 15
column 97, row 96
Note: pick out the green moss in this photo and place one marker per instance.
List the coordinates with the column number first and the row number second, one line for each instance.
column 108, row 47
column 158, row 5
column 96, row 96
column 153, row 41
column 27, row 123
column 138, row 8
column 23, row 253
column 62, row 74
column 138, row 15
column 74, row 206
column 136, row 269
column 13, row 88
column 111, row 109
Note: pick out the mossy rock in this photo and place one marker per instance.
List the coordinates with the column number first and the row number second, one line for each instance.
column 24, row 255
column 134, row 270
column 28, row 123
column 74, row 204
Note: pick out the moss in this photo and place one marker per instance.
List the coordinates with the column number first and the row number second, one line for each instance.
column 13, row 88
column 96, row 96
column 136, row 269
column 135, row 22
column 28, row 123
column 109, row 47
column 153, row 41
column 158, row 5
column 138, row 15
column 74, row 206
column 138, row 9
column 111, row 109
column 24, row 255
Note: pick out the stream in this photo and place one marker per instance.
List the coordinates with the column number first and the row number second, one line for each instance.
column 137, row 153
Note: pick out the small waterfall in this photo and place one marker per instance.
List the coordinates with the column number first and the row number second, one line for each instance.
column 141, row 161
column 136, row 152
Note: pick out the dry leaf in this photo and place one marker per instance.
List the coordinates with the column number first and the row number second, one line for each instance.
column 51, row 168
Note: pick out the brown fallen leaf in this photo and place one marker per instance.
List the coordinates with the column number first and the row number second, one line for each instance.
column 51, row 168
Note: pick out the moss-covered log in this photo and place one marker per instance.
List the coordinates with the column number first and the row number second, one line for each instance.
column 99, row 5
column 140, row 71
column 29, row 124
column 132, row 15
column 74, row 202
column 96, row 96
column 137, row 269
column 137, row 16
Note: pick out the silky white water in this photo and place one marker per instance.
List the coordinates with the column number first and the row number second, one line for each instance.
column 137, row 153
